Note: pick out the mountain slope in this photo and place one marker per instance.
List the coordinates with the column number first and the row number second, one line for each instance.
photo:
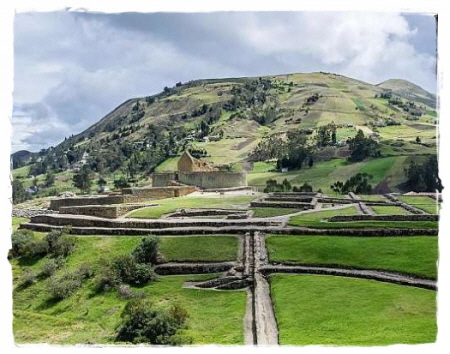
column 225, row 119
column 410, row 91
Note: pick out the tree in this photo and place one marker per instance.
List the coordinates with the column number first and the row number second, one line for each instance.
column 362, row 147
column 358, row 184
column 122, row 182
column 142, row 322
column 311, row 162
column 49, row 179
column 19, row 194
column 83, row 179
column 424, row 177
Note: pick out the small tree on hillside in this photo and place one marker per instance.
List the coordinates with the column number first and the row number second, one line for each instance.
column 83, row 179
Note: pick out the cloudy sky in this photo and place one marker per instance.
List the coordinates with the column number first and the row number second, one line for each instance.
column 72, row 68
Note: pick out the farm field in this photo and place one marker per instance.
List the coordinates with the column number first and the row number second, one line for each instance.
column 416, row 255
column 329, row 310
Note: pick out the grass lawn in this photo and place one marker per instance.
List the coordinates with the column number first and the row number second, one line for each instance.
column 373, row 197
column 201, row 248
column 166, row 206
column 389, row 209
column 215, row 317
column 314, row 220
column 16, row 221
column 411, row 255
column 269, row 212
column 327, row 310
column 424, row 203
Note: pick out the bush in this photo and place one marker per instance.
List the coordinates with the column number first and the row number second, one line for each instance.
column 35, row 248
column 147, row 251
column 143, row 323
column 50, row 267
column 19, row 240
column 61, row 287
column 127, row 270
column 28, row 278
column 59, row 243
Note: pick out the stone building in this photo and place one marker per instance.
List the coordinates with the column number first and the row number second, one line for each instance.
column 194, row 172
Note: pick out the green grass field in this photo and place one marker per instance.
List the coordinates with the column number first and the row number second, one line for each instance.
column 166, row 206
column 373, row 197
column 214, row 316
column 421, row 202
column 87, row 317
column 316, row 220
column 389, row 209
column 201, row 248
column 323, row 174
column 269, row 212
column 416, row 255
column 327, row 310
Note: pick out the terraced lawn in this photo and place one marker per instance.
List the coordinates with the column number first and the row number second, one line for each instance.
column 269, row 212
column 327, row 310
column 318, row 220
column 166, row 206
column 421, row 202
column 416, row 255
column 389, row 209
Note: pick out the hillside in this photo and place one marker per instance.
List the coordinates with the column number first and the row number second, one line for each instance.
column 226, row 119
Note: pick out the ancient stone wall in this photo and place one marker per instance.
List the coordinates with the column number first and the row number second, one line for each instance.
column 162, row 179
column 104, row 211
column 55, row 204
column 411, row 217
column 159, row 192
column 214, row 179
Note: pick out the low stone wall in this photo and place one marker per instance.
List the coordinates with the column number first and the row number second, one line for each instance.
column 28, row 213
column 104, row 211
column 268, row 204
column 193, row 268
column 301, row 199
column 159, row 192
column 55, row 204
column 411, row 217
column 291, row 194
column 91, row 221
column 208, row 212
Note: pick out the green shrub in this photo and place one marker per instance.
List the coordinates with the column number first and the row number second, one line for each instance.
column 123, row 269
column 144, row 323
column 129, row 271
column 147, row 251
column 35, row 248
column 50, row 267
column 19, row 240
column 61, row 287
column 63, row 245
column 28, row 278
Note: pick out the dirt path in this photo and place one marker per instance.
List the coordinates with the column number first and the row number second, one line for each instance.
column 265, row 322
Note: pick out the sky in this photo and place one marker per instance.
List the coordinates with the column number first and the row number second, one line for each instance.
column 72, row 68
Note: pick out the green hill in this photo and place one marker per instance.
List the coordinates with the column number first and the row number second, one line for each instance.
column 228, row 118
